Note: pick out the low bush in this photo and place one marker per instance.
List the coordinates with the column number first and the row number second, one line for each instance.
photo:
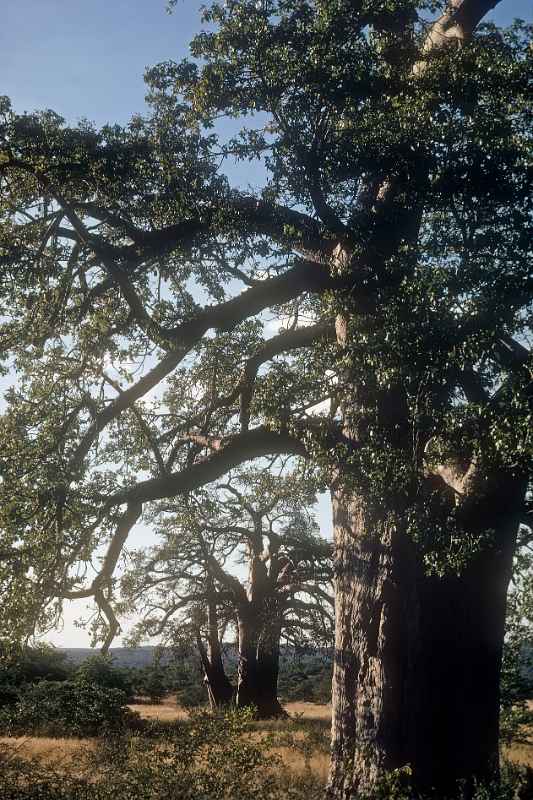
column 9, row 695
column 153, row 682
column 206, row 758
column 101, row 670
column 210, row 758
column 34, row 664
column 66, row 708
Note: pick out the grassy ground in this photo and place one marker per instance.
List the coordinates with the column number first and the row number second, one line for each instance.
column 301, row 742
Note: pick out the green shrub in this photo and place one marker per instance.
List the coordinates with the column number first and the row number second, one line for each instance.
column 9, row 695
column 152, row 682
column 67, row 708
column 100, row 670
column 192, row 696
column 33, row 664
column 206, row 758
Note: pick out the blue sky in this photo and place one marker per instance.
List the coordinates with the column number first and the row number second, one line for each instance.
column 86, row 58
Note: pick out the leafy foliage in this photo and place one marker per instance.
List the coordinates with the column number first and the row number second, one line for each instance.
column 99, row 670
column 388, row 240
column 130, row 265
column 204, row 759
column 67, row 708
column 33, row 664
column 517, row 667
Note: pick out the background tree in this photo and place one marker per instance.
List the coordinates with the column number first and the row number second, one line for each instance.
column 389, row 238
column 33, row 664
column 256, row 523
column 100, row 670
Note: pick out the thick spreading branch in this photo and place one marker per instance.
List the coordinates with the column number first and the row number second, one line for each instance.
column 302, row 277
column 240, row 448
column 457, row 23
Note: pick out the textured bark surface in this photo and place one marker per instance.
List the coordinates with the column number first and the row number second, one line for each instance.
column 247, row 670
column 259, row 625
column 259, row 665
column 418, row 658
column 376, row 618
column 268, row 667
column 462, row 631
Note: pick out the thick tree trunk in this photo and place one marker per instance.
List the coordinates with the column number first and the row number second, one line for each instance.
column 268, row 670
column 258, row 663
column 417, row 659
column 462, row 626
column 219, row 688
column 247, row 675
column 376, row 630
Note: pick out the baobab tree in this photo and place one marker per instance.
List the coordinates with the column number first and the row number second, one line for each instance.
column 252, row 523
column 389, row 239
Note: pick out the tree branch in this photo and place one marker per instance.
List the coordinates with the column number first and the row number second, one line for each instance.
column 238, row 449
column 223, row 316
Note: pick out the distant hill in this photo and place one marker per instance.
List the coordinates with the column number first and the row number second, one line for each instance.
column 305, row 673
column 144, row 656
column 123, row 656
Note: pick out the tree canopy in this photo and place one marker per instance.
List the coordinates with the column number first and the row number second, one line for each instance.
column 248, row 538
column 366, row 308
column 135, row 280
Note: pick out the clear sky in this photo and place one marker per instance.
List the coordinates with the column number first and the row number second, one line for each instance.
column 86, row 59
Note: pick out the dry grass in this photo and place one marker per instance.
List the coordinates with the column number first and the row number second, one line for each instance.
column 309, row 710
column 166, row 711
column 68, row 755
column 298, row 764
column 520, row 753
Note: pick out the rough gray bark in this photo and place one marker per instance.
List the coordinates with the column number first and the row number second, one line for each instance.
column 376, row 631
column 418, row 657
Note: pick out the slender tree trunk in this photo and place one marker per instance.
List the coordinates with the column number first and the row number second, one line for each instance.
column 221, row 692
column 417, row 658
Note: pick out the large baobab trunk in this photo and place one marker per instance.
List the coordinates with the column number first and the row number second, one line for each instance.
column 417, row 658
column 462, row 625
column 259, row 625
column 247, row 671
column 258, row 662
column 268, row 668
column 376, row 632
